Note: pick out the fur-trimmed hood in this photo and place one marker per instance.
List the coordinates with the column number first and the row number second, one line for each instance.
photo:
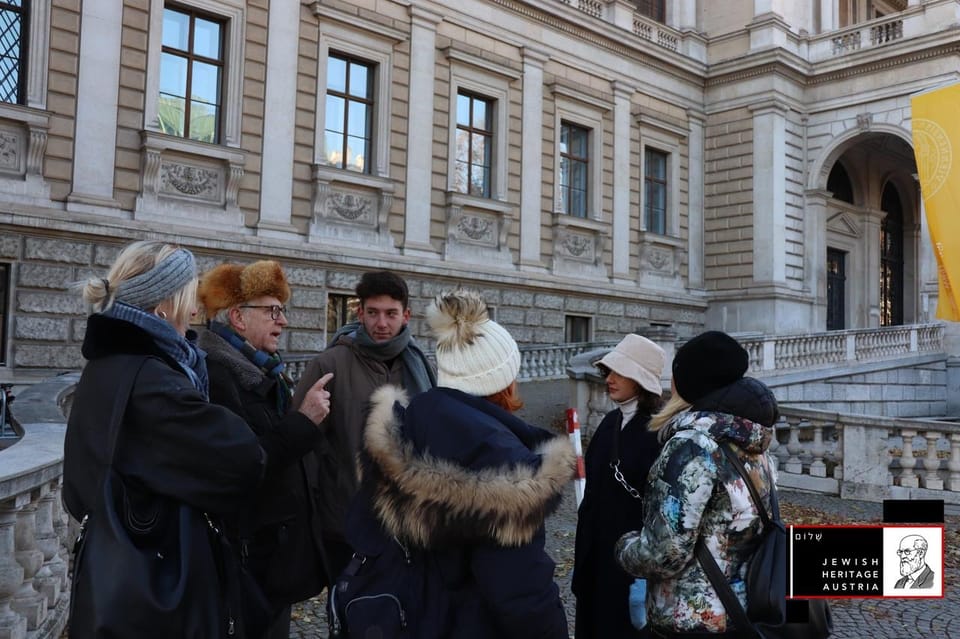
column 460, row 469
column 220, row 351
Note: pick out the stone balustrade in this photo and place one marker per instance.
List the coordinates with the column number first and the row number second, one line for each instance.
column 865, row 457
column 35, row 537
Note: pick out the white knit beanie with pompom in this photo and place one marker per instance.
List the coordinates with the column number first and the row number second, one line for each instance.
column 474, row 354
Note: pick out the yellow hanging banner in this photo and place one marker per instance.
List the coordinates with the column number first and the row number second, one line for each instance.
column 936, row 144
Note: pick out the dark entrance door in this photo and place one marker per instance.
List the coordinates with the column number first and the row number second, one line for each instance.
column 836, row 289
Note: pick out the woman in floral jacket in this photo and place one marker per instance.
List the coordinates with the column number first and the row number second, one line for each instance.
column 693, row 491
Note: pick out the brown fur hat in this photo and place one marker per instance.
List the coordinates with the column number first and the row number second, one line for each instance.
column 227, row 285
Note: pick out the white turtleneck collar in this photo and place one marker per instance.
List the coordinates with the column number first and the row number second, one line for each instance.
column 629, row 409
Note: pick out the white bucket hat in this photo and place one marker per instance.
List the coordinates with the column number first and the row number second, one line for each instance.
column 639, row 359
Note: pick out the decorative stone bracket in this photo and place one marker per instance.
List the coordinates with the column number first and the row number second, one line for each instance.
column 188, row 180
column 23, row 143
column 660, row 257
column 578, row 246
column 351, row 208
column 477, row 230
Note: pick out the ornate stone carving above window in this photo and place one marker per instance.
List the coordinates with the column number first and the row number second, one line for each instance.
column 351, row 208
column 189, row 181
column 660, row 258
column 23, row 142
column 578, row 246
column 477, row 230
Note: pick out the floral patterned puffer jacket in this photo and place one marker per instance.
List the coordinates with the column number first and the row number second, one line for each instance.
column 694, row 491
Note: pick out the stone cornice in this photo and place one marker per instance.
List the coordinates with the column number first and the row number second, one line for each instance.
column 884, row 64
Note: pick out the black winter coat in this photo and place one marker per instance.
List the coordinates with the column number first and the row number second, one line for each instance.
column 279, row 530
column 471, row 484
column 606, row 512
column 173, row 445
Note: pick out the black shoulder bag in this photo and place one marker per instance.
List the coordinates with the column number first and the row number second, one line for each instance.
column 766, row 579
column 152, row 575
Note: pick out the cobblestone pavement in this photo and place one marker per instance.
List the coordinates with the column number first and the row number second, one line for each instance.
column 853, row 618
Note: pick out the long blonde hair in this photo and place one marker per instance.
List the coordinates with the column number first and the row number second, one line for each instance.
column 674, row 406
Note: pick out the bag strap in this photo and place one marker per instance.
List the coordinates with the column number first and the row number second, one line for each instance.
column 710, row 567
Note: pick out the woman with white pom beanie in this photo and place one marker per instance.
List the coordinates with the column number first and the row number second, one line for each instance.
column 455, row 476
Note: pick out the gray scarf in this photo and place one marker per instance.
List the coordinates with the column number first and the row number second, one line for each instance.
column 418, row 374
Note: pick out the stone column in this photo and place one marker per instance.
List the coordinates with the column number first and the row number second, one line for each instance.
column 829, row 15
column 28, row 601
column 12, row 625
column 686, row 14
column 622, row 144
column 279, row 119
column 50, row 576
column 94, row 148
column 769, row 192
column 531, row 169
column 423, row 53
column 695, row 212
column 873, row 219
column 815, row 253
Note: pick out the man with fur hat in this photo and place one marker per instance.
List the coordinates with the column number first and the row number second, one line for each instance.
column 376, row 350
column 279, row 533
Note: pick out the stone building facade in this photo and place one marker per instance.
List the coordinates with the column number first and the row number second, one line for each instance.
column 592, row 166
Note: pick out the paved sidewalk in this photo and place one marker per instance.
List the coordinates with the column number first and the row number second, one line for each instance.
column 853, row 618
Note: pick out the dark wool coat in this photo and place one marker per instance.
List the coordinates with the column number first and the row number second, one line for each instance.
column 606, row 512
column 472, row 484
column 279, row 530
column 173, row 446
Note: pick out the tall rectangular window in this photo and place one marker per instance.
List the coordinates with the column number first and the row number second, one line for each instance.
column 653, row 9
column 348, row 132
column 341, row 309
column 474, row 145
column 655, row 191
column 574, row 169
column 191, row 75
column 4, row 296
column 13, row 55
column 576, row 329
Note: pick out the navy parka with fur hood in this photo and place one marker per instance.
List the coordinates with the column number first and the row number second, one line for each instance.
column 471, row 484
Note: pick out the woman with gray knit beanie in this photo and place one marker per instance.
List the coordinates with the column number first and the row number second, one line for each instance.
column 149, row 464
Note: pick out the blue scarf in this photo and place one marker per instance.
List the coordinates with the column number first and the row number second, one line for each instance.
column 271, row 365
column 180, row 349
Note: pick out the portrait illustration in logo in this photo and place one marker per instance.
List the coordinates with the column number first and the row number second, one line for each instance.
column 914, row 571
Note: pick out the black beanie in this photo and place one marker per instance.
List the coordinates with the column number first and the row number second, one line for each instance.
column 707, row 362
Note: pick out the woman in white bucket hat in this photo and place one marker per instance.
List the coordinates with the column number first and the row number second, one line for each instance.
column 617, row 461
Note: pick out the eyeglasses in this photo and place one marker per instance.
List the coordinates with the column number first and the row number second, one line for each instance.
column 908, row 551
column 275, row 310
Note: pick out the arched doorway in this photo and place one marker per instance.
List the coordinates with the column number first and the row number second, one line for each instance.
column 872, row 234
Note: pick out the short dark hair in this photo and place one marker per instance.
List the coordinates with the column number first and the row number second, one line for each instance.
column 374, row 283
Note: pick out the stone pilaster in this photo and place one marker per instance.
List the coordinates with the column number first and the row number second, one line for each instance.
column 622, row 143
column 695, row 212
column 769, row 192
column 532, row 153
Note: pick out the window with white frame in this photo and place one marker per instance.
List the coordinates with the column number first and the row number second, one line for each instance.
column 474, row 145
column 348, row 130
column 479, row 98
column 191, row 74
column 574, row 169
column 194, row 70
column 655, row 188
column 578, row 151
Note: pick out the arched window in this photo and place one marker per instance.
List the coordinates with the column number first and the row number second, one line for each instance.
column 839, row 184
column 891, row 257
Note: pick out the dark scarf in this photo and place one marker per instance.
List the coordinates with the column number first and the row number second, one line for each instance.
column 271, row 365
column 180, row 349
column 418, row 375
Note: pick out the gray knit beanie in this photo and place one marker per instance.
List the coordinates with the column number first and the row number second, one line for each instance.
column 160, row 283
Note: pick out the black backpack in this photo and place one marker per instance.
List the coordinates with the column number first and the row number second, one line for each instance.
column 766, row 576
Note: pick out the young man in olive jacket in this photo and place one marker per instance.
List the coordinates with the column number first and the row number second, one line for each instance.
column 364, row 355
column 279, row 533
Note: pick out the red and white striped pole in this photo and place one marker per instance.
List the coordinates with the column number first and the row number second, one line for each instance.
column 573, row 428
